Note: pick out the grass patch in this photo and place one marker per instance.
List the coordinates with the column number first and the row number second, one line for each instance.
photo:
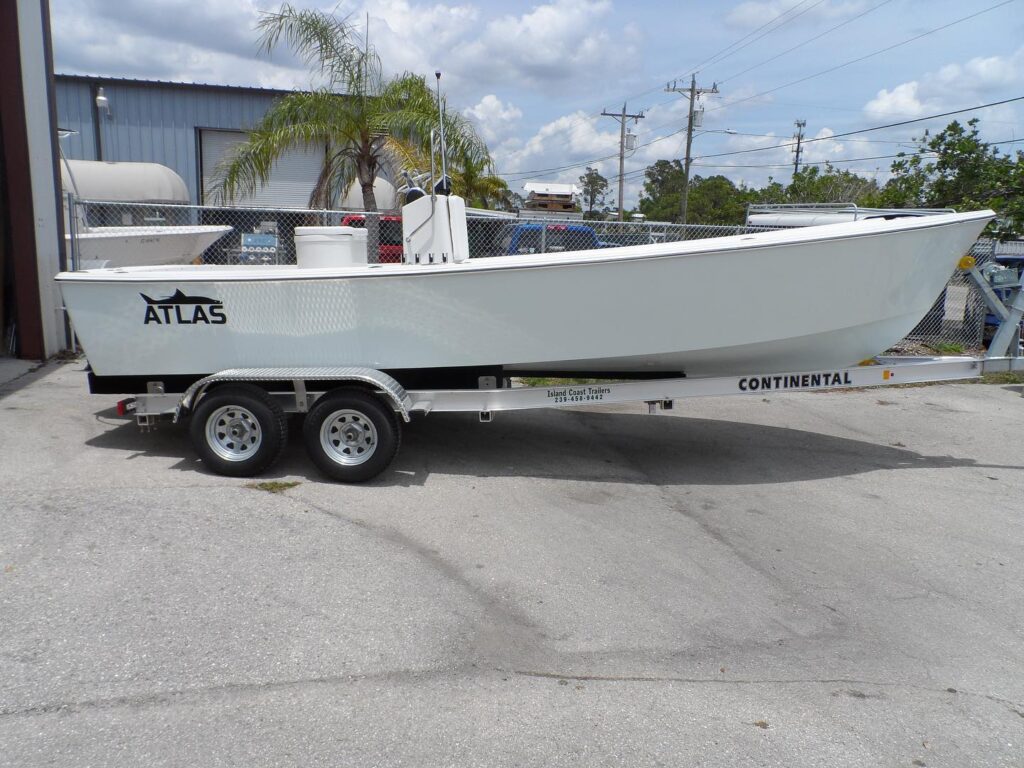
column 273, row 486
column 1002, row 377
column 944, row 348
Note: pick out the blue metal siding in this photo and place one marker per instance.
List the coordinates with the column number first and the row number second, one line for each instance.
column 74, row 112
column 153, row 122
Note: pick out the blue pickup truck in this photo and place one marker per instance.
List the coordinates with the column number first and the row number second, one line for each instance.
column 550, row 238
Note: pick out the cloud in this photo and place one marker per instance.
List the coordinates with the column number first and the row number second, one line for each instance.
column 952, row 86
column 495, row 119
column 566, row 140
column 549, row 48
column 167, row 40
column 555, row 44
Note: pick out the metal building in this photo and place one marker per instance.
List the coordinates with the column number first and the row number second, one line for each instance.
column 187, row 127
column 31, row 232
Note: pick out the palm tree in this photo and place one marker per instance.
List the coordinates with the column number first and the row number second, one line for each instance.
column 474, row 179
column 370, row 125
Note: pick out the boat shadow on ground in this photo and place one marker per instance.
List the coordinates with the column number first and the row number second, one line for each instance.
column 584, row 446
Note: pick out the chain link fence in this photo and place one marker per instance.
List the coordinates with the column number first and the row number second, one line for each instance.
column 265, row 235
column 241, row 236
column 957, row 320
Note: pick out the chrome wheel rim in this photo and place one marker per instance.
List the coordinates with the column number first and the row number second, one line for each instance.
column 233, row 433
column 348, row 437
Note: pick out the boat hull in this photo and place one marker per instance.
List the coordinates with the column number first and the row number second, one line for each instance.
column 100, row 247
column 771, row 302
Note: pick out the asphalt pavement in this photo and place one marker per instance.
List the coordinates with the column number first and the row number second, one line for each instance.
column 818, row 579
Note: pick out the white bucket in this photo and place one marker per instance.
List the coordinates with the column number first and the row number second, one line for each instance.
column 317, row 247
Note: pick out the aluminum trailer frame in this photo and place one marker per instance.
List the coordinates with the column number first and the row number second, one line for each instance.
column 883, row 371
column 351, row 412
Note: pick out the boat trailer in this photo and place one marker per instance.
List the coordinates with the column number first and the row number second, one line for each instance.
column 352, row 416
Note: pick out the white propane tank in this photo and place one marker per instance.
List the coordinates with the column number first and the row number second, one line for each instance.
column 318, row 247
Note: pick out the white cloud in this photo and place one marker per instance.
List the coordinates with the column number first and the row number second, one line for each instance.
column 565, row 140
column 903, row 101
column 496, row 120
column 952, row 86
column 551, row 47
column 555, row 44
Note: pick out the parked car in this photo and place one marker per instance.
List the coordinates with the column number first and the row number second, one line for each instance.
column 550, row 238
column 390, row 251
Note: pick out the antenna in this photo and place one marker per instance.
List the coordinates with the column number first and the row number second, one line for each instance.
column 444, row 185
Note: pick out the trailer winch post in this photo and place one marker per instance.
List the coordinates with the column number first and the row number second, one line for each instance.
column 1006, row 342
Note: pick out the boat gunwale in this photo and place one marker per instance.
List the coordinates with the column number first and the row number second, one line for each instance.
column 498, row 264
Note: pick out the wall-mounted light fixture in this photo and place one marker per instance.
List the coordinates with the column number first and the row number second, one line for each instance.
column 102, row 102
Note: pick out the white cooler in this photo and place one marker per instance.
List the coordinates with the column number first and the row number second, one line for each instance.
column 318, row 247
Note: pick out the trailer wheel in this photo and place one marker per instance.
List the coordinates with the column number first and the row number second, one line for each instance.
column 238, row 430
column 351, row 436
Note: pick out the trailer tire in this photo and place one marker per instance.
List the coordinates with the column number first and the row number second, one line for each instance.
column 238, row 430
column 351, row 435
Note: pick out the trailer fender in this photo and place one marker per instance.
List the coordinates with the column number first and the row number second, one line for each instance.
column 377, row 381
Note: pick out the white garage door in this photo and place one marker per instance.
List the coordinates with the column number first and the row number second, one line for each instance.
column 291, row 180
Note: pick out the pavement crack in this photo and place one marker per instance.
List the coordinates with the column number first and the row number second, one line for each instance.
column 1015, row 707
column 502, row 625
column 184, row 695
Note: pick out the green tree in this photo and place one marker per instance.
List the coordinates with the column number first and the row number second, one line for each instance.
column 474, row 179
column 594, row 187
column 716, row 200
column 662, row 194
column 712, row 200
column 956, row 169
column 771, row 193
column 812, row 184
column 369, row 124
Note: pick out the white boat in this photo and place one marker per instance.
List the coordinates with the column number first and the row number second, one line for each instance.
column 99, row 247
column 778, row 215
column 142, row 189
column 791, row 300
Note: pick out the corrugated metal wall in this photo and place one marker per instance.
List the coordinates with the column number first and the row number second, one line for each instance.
column 152, row 122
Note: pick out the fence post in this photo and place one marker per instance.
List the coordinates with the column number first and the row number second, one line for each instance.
column 72, row 231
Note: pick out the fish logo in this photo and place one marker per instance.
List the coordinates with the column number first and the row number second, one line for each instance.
column 181, row 309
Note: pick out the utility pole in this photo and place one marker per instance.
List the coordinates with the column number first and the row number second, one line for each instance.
column 799, row 138
column 622, row 117
column 691, row 93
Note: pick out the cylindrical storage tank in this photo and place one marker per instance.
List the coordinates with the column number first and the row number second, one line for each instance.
column 318, row 247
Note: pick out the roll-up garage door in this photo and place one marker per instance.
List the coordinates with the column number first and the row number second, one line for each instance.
column 291, row 180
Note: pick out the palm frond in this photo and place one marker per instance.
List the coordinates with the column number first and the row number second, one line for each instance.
column 378, row 127
column 322, row 41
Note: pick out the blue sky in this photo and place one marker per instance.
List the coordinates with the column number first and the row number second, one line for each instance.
column 536, row 76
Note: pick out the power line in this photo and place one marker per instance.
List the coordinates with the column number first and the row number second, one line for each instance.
column 867, row 130
column 864, row 57
column 642, row 171
column 845, row 160
column 726, row 52
column 591, row 161
column 857, row 59
column 807, row 41
column 787, row 85
column 788, row 165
